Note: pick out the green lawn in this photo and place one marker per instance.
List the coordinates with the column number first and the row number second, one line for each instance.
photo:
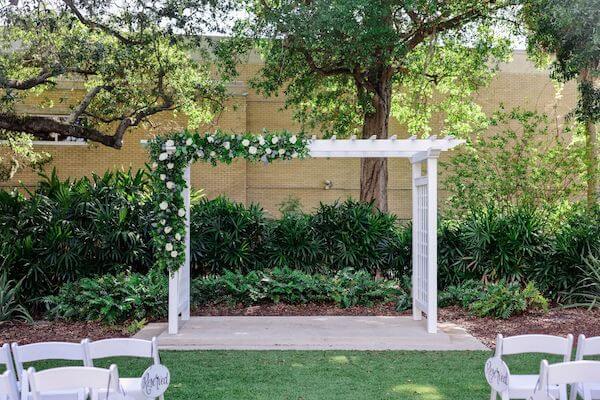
column 318, row 375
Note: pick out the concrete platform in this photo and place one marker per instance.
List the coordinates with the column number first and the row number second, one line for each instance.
column 310, row 333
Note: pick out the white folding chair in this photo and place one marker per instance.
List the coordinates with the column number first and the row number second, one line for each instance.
column 578, row 373
column 99, row 382
column 8, row 391
column 523, row 386
column 126, row 348
column 7, row 361
column 47, row 351
column 587, row 347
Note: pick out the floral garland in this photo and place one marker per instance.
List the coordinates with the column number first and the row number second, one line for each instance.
column 173, row 153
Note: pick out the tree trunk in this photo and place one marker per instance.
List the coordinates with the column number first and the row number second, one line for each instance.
column 374, row 171
column 591, row 149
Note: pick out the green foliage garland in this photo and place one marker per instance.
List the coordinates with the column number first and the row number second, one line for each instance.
column 172, row 153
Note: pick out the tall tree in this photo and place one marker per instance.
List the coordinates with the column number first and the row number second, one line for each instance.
column 570, row 32
column 133, row 57
column 341, row 61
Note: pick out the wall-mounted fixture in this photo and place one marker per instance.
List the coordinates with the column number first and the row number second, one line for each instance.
column 328, row 184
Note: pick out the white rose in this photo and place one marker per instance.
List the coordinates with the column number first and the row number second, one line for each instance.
column 170, row 143
column 245, row 143
column 169, row 247
column 281, row 152
column 252, row 150
column 200, row 153
column 210, row 139
column 181, row 212
column 170, row 185
column 170, row 165
column 293, row 139
column 294, row 155
column 163, row 156
column 213, row 154
column 168, row 229
column 174, row 254
column 275, row 139
column 227, row 145
column 261, row 140
column 268, row 150
column 164, row 205
column 178, row 236
column 163, row 221
column 163, row 177
column 154, row 165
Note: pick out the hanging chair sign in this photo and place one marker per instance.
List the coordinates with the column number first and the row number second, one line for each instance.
column 497, row 374
column 155, row 381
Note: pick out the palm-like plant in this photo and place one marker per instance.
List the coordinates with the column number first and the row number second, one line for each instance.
column 10, row 308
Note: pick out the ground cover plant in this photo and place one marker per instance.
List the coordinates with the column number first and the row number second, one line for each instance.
column 319, row 375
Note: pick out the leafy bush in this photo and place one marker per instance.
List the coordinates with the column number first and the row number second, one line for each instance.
column 346, row 288
column 112, row 298
column 227, row 235
column 503, row 300
column 463, row 294
column 66, row 230
column 10, row 307
column 587, row 291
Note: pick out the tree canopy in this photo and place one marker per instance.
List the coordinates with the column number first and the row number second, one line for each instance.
column 134, row 59
column 346, row 66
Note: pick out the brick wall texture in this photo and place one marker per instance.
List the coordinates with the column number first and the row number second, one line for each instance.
column 518, row 83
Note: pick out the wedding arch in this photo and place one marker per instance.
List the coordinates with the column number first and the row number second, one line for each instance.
column 172, row 156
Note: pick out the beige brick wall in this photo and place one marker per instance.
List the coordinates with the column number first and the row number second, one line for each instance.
column 518, row 84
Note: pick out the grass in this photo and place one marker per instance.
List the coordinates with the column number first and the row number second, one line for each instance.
column 319, row 375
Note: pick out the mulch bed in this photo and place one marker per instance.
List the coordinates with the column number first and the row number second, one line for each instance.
column 558, row 321
column 312, row 309
column 47, row 331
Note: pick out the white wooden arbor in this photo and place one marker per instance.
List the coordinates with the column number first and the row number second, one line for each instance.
column 423, row 155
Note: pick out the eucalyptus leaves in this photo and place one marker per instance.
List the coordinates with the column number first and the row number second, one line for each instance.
column 171, row 154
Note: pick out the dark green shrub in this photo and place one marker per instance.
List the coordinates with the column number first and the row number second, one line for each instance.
column 353, row 233
column 112, row 298
column 463, row 294
column 293, row 243
column 586, row 292
column 227, row 235
column 66, row 230
column 10, row 300
column 347, row 288
column 503, row 300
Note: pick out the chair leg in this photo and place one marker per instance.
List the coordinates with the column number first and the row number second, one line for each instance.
column 563, row 392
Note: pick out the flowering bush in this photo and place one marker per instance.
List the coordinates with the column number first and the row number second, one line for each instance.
column 171, row 154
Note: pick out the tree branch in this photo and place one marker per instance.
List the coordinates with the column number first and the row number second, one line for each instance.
column 77, row 111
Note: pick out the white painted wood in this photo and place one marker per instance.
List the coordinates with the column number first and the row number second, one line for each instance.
column 424, row 216
column 580, row 373
column 523, row 386
column 9, row 366
column 8, row 390
column 124, row 348
column 416, row 306
column 68, row 379
column 46, row 351
column 431, row 207
column 587, row 347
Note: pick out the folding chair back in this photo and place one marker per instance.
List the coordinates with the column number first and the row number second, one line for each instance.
column 574, row 372
column 67, row 379
column 120, row 347
column 587, row 347
column 46, row 351
column 7, row 388
column 547, row 344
